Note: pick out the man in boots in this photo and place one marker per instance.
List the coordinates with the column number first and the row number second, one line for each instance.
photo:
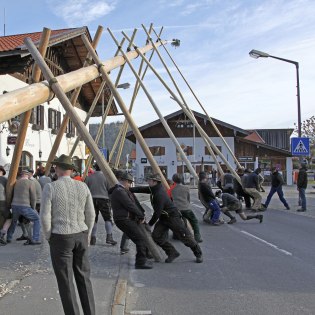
column 99, row 187
column 167, row 217
column 181, row 197
column 128, row 216
column 231, row 203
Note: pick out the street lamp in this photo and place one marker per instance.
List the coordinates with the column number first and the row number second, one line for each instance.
column 257, row 54
column 7, row 151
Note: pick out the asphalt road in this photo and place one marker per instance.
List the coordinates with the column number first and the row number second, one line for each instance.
column 249, row 268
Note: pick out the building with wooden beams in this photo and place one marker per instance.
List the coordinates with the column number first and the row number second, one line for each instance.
column 249, row 147
column 65, row 53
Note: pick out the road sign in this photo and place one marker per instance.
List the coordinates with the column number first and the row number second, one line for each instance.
column 300, row 146
column 144, row 160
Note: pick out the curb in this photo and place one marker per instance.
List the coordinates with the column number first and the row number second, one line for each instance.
column 120, row 295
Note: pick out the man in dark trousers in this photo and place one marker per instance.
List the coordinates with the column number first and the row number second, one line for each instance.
column 301, row 186
column 276, row 187
column 99, row 187
column 127, row 216
column 231, row 203
column 67, row 216
column 181, row 197
column 238, row 188
column 167, row 217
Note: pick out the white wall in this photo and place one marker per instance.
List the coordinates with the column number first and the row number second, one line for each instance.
column 37, row 140
column 170, row 153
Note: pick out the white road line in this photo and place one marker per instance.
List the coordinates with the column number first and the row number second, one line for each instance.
column 267, row 243
column 197, row 206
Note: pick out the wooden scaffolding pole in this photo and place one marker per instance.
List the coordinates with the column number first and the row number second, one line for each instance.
column 191, row 117
column 55, row 86
column 123, row 130
column 43, row 44
column 74, row 98
column 111, row 98
column 162, row 119
column 184, row 102
column 202, row 107
column 24, row 99
column 124, row 109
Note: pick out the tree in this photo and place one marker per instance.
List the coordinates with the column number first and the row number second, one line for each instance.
column 308, row 131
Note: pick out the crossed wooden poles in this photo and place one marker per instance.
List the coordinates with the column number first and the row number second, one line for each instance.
column 24, row 99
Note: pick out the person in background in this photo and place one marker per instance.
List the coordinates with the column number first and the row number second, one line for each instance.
column 260, row 179
column 24, row 204
column 67, row 216
column 99, row 186
column 231, row 203
column 180, row 195
column 5, row 214
column 276, row 187
column 207, row 198
column 42, row 178
column 301, row 186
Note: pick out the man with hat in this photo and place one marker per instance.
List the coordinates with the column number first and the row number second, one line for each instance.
column 128, row 214
column 167, row 217
column 23, row 204
column 67, row 216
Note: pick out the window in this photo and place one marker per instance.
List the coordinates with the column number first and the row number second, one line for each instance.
column 157, row 151
column 70, row 130
column 208, row 153
column 37, row 118
column 54, row 119
column 187, row 150
column 26, row 160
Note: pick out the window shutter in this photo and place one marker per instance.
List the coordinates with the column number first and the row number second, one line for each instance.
column 41, row 117
column 162, row 150
column 49, row 118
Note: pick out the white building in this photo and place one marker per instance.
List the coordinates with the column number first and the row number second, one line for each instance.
column 251, row 149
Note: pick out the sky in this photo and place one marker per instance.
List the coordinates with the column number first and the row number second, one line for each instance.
column 216, row 37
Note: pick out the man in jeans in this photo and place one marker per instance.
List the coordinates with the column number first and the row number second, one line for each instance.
column 23, row 204
column 67, row 216
column 301, row 186
column 276, row 187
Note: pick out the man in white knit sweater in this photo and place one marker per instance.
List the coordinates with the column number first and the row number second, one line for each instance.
column 67, row 216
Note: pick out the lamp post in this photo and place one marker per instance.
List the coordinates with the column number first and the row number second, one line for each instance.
column 257, row 54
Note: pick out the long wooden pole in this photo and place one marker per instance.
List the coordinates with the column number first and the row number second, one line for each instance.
column 123, row 130
column 199, row 102
column 24, row 99
column 191, row 117
column 43, row 44
column 55, row 86
column 125, row 111
column 183, row 99
column 135, row 94
column 74, row 98
column 162, row 119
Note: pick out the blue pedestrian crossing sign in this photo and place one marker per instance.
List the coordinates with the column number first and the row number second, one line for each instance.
column 300, row 146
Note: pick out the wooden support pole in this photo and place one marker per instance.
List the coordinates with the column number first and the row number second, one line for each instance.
column 191, row 117
column 74, row 98
column 124, row 128
column 88, row 116
column 124, row 109
column 43, row 44
column 202, row 107
column 121, row 134
column 21, row 100
column 55, row 86
column 162, row 119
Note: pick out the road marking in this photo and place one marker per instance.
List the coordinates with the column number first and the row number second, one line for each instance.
column 267, row 243
column 197, row 206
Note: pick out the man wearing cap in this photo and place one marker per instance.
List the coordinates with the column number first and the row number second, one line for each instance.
column 23, row 204
column 167, row 217
column 67, row 216
column 99, row 187
column 128, row 215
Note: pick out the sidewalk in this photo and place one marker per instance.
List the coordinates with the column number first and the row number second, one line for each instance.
column 28, row 284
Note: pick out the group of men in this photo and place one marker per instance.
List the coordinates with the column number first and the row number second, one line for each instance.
column 67, row 211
